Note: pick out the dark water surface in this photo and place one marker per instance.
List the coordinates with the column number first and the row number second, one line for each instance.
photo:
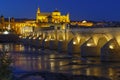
column 28, row 59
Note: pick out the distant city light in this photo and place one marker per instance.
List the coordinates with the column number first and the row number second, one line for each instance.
column 5, row 32
column 84, row 21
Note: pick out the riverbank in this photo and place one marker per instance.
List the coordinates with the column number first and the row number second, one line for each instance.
column 44, row 75
column 7, row 38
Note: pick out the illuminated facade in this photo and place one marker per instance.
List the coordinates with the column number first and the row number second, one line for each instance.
column 53, row 17
column 18, row 26
column 25, row 26
column 82, row 23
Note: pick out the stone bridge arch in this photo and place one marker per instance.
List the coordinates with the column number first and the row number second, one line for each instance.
column 75, row 43
column 110, row 51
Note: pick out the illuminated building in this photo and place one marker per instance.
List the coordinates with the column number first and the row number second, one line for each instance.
column 53, row 17
column 17, row 25
column 83, row 23
column 25, row 26
column 43, row 20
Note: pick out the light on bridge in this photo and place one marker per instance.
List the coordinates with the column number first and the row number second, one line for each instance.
column 30, row 37
column 74, row 42
column 24, row 37
column 46, row 40
column 111, row 47
column 61, row 40
column 34, row 38
column 90, row 44
column 52, row 39
column 39, row 38
column 20, row 36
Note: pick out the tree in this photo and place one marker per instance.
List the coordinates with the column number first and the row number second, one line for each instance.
column 5, row 70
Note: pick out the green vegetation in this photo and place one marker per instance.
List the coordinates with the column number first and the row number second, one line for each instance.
column 5, row 70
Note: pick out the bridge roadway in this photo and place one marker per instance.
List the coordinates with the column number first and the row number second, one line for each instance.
column 94, row 42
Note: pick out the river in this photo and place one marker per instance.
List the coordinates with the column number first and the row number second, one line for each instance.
column 30, row 59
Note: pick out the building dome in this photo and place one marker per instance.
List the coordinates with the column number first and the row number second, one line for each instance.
column 56, row 10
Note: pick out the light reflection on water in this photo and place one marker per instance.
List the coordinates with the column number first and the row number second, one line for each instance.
column 31, row 59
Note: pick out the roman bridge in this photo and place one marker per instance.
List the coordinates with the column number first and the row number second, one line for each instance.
column 101, row 42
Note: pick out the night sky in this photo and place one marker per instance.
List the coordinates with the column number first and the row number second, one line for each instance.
column 108, row 10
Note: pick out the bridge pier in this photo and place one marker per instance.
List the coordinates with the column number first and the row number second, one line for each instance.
column 33, row 41
column 23, row 39
column 53, row 45
column 73, row 48
column 45, row 43
column 62, row 46
column 89, row 49
column 110, row 51
column 36, row 42
column 75, row 44
column 27, row 40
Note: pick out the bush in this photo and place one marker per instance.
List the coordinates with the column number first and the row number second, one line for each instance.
column 5, row 70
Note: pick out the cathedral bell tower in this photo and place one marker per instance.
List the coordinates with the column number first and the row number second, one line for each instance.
column 37, row 14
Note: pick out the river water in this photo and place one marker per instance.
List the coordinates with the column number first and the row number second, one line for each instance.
column 30, row 59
